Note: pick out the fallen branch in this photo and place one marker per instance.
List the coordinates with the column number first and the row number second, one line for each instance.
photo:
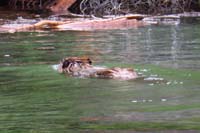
column 44, row 24
column 100, row 24
column 103, row 24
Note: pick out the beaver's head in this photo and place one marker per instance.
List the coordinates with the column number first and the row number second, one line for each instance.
column 73, row 63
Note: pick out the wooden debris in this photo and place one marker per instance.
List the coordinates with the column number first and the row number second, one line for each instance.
column 85, row 25
column 104, row 24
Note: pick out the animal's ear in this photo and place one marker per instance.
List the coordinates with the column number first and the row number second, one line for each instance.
column 65, row 59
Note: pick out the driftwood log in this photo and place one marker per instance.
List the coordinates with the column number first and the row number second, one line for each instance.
column 102, row 24
column 84, row 25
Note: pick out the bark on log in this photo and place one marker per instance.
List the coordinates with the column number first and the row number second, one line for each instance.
column 105, row 24
column 86, row 25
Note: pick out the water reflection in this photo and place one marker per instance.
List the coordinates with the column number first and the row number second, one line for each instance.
column 175, row 46
column 170, row 46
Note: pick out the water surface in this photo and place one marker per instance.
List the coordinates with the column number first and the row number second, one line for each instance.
column 35, row 98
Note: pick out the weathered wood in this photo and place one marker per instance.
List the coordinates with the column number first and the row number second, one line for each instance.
column 85, row 25
column 103, row 24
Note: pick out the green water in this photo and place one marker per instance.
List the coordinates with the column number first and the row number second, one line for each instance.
column 35, row 98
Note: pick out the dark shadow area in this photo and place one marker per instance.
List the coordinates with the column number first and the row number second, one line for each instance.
column 75, row 8
column 4, row 3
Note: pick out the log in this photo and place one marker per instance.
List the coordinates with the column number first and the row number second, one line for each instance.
column 85, row 25
column 102, row 24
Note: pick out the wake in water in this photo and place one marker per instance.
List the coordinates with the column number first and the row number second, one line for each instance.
column 82, row 67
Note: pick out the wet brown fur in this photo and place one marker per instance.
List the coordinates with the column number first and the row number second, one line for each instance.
column 68, row 63
column 72, row 65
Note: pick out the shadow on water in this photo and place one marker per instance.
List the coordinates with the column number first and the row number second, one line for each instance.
column 35, row 98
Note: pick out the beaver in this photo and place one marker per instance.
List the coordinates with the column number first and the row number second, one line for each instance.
column 82, row 67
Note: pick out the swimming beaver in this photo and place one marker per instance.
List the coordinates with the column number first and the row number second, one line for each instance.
column 82, row 67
